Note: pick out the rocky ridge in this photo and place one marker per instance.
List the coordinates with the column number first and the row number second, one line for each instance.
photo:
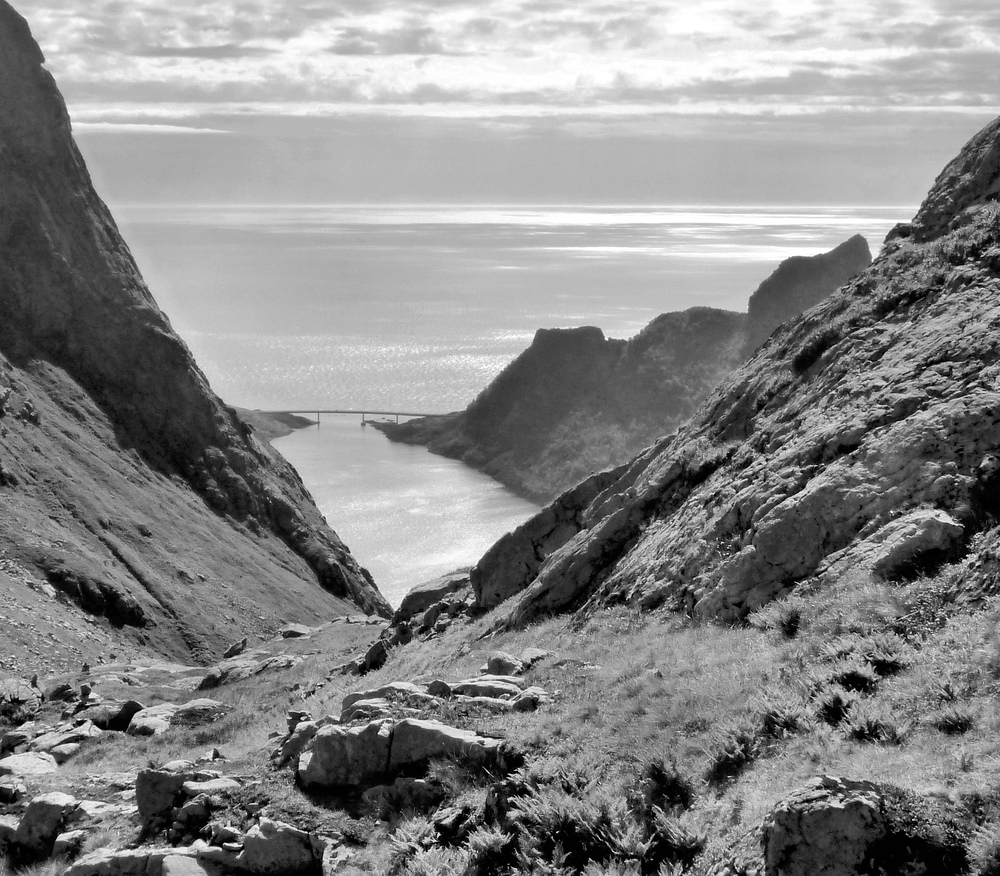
column 875, row 408
column 576, row 402
column 133, row 494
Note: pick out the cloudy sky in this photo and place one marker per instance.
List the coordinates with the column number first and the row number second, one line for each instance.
column 664, row 101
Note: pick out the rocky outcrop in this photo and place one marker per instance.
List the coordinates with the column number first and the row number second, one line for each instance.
column 114, row 447
column 875, row 407
column 576, row 402
column 840, row 827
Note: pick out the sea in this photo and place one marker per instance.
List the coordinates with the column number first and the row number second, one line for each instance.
column 416, row 307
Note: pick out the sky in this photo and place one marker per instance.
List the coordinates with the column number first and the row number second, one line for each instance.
column 522, row 101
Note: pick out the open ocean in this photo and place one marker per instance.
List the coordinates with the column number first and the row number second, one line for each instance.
column 418, row 307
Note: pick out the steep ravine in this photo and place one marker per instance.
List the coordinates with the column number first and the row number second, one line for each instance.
column 126, row 483
column 576, row 402
column 862, row 436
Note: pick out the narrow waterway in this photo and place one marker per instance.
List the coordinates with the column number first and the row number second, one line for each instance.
column 406, row 514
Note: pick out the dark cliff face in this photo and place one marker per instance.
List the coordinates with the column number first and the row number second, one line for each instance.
column 74, row 307
column 861, row 438
column 801, row 282
column 576, row 402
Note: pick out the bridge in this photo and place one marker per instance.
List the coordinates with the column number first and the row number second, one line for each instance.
column 363, row 413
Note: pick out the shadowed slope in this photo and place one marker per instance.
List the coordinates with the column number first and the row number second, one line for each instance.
column 84, row 346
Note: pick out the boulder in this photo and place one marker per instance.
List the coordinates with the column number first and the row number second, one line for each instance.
column 112, row 715
column 221, row 785
column 415, row 742
column 198, row 712
column 186, row 865
column 246, row 666
column 16, row 738
column 530, row 656
column 296, row 741
column 236, row 648
column 347, row 756
column 69, row 843
column 404, row 691
column 923, row 535
column 272, row 848
column 840, row 827
column 423, row 596
column 502, row 663
column 42, row 822
column 499, row 686
column 65, row 735
column 156, row 793
column 19, row 700
column 295, row 631
column 11, row 790
column 31, row 763
column 153, row 721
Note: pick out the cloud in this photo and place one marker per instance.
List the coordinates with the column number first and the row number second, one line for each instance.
column 226, row 51
column 607, row 58
column 411, row 39
column 139, row 128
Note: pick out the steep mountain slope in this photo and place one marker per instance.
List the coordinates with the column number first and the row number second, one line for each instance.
column 863, row 435
column 576, row 402
column 125, row 483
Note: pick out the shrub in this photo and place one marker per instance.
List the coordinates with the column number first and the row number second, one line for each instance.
column 814, row 347
column 492, row 852
column 661, row 787
column 954, row 721
column 562, row 829
column 670, row 842
column 733, row 751
column 781, row 718
column 855, row 676
column 833, row 705
column 866, row 725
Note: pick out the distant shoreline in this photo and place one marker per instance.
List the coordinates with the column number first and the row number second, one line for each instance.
column 274, row 424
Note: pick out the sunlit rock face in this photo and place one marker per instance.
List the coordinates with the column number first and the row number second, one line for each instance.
column 126, row 482
column 879, row 402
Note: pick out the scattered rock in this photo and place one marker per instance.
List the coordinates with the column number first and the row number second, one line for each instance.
column 531, row 656
column 69, row 843
column 245, row 666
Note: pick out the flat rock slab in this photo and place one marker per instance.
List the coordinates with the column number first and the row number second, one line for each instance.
column 212, row 786
column 296, row 631
column 32, row 763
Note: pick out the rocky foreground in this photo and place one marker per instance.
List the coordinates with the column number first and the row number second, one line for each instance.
column 132, row 495
column 576, row 402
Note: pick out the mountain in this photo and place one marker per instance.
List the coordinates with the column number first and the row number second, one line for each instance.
column 861, row 437
column 576, row 402
column 130, row 492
